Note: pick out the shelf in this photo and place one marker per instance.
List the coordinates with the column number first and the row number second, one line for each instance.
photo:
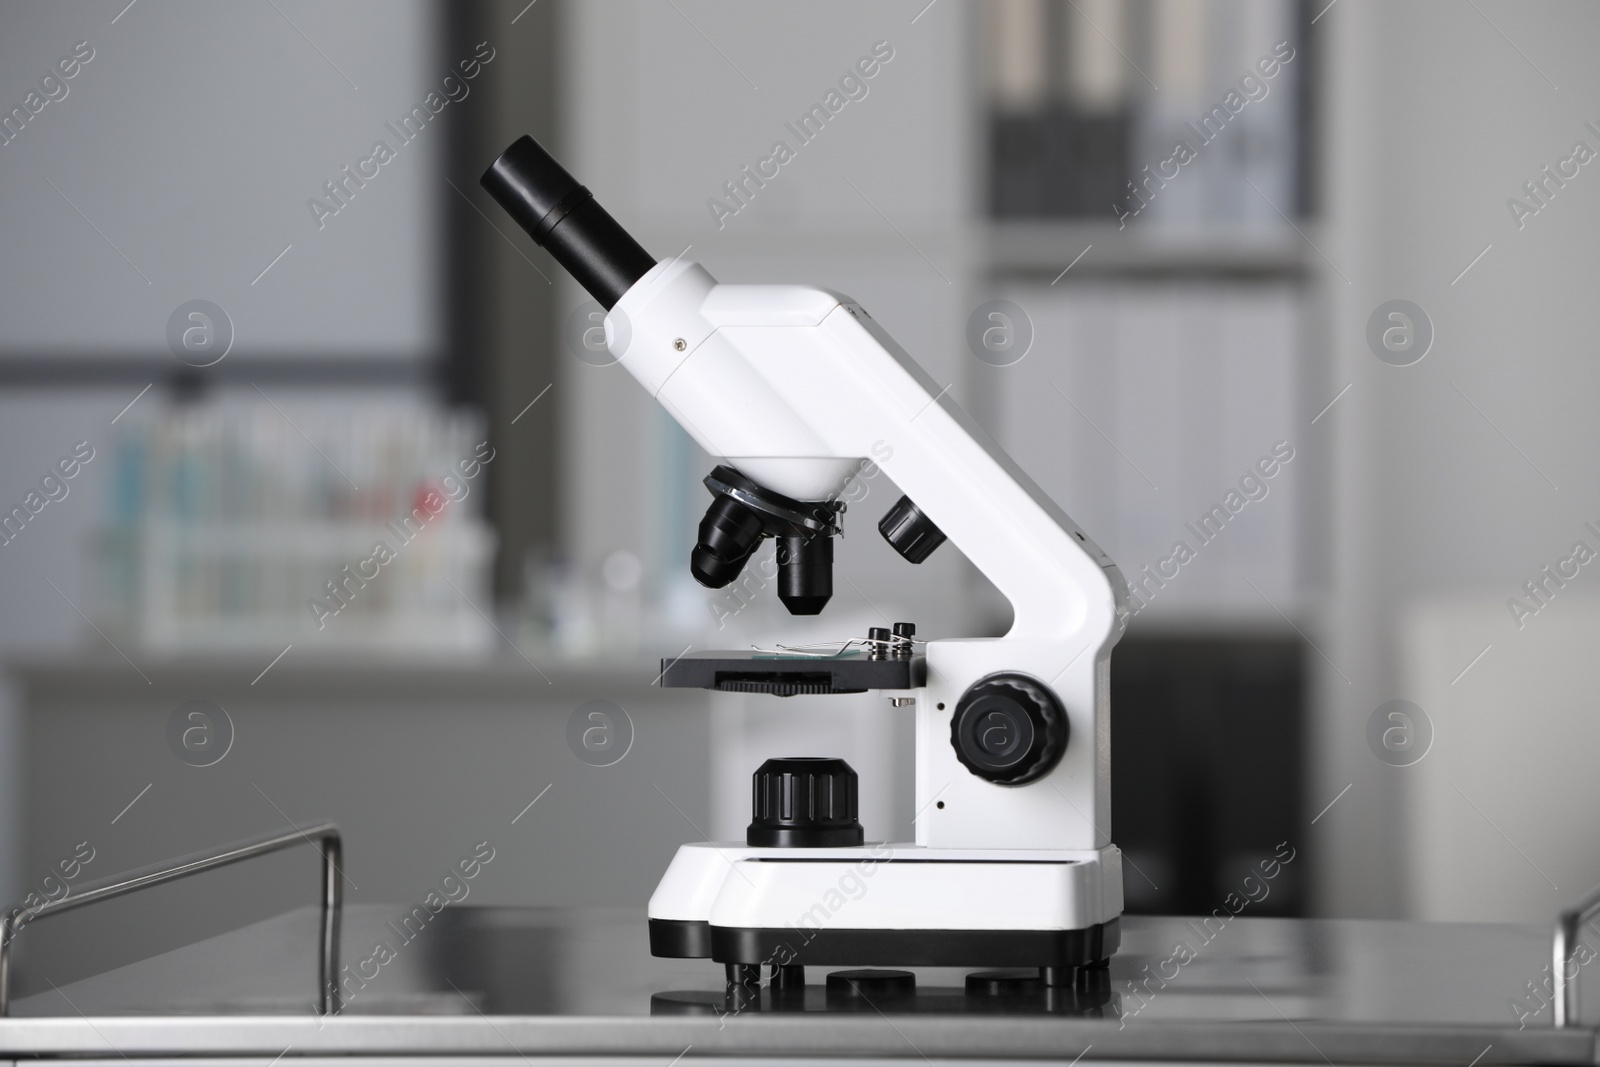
column 309, row 674
column 805, row 241
column 1018, row 247
column 1044, row 247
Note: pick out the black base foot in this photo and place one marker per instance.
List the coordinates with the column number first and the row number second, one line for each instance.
column 1007, row 983
column 747, row 975
column 871, row 984
column 792, row 976
column 1088, row 977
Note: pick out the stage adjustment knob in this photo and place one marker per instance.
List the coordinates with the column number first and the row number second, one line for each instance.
column 1009, row 729
column 804, row 802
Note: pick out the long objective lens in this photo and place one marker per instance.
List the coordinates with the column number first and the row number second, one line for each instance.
column 805, row 572
column 564, row 218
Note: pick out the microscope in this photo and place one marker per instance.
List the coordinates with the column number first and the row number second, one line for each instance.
column 794, row 388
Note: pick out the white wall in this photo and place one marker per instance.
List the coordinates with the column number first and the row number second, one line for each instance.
column 1503, row 813
column 177, row 165
column 192, row 141
column 1462, row 475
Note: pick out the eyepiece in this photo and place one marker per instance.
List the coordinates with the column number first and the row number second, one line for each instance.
column 564, row 218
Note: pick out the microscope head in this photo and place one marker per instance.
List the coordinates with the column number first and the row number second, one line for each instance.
column 563, row 217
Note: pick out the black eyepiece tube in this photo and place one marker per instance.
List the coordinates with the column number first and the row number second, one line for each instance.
column 564, row 218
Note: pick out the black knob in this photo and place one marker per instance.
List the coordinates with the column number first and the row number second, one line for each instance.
column 912, row 533
column 1009, row 729
column 804, row 802
column 904, row 644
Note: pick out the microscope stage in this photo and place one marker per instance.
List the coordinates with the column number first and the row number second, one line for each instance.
column 785, row 674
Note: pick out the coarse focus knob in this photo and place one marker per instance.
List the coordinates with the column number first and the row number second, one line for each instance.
column 912, row 533
column 804, row 802
column 1009, row 729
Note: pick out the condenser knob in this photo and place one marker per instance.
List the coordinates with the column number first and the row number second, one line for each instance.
column 1009, row 729
column 912, row 533
column 804, row 802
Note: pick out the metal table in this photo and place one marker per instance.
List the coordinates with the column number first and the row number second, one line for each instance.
column 495, row 983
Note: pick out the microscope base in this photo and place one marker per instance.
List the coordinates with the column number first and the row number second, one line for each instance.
column 899, row 948
column 889, row 905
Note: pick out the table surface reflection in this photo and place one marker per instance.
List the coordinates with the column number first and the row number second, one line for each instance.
column 494, row 982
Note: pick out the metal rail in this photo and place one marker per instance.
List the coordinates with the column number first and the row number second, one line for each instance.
column 1563, row 951
column 324, row 835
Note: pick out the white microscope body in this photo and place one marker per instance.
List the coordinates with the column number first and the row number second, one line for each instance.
column 794, row 387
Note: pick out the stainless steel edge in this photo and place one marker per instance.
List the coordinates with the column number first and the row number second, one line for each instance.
column 1563, row 948
column 325, row 835
column 920, row 1037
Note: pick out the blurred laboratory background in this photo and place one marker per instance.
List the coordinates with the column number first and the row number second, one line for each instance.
column 320, row 497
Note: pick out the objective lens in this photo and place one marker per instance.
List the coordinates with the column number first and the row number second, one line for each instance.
column 729, row 535
column 805, row 572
